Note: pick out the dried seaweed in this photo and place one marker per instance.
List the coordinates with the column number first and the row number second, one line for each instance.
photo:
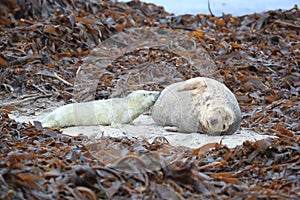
column 44, row 163
column 44, row 44
column 256, row 55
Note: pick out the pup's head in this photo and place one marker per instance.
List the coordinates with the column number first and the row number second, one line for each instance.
column 142, row 98
column 219, row 121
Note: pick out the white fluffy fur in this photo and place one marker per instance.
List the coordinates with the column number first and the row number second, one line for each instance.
column 102, row 112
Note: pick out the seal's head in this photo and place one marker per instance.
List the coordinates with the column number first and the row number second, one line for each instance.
column 219, row 121
column 142, row 98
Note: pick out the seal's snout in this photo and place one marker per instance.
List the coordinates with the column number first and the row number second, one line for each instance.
column 220, row 121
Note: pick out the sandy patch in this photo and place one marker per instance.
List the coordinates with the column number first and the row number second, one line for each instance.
column 145, row 128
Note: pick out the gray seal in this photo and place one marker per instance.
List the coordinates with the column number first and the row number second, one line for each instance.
column 200, row 105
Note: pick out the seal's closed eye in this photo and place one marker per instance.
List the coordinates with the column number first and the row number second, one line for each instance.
column 213, row 121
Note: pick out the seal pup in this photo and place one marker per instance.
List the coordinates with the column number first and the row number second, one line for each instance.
column 201, row 105
column 113, row 111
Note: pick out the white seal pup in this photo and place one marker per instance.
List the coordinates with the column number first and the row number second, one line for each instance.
column 113, row 111
column 201, row 105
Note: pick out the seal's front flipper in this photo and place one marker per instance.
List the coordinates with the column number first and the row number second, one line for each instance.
column 192, row 85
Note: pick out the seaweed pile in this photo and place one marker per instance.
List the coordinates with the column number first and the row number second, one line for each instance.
column 39, row 163
column 44, row 43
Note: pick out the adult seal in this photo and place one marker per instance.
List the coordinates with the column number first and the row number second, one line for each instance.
column 201, row 105
column 113, row 111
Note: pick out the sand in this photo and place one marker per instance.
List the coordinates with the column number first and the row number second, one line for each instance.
column 145, row 128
